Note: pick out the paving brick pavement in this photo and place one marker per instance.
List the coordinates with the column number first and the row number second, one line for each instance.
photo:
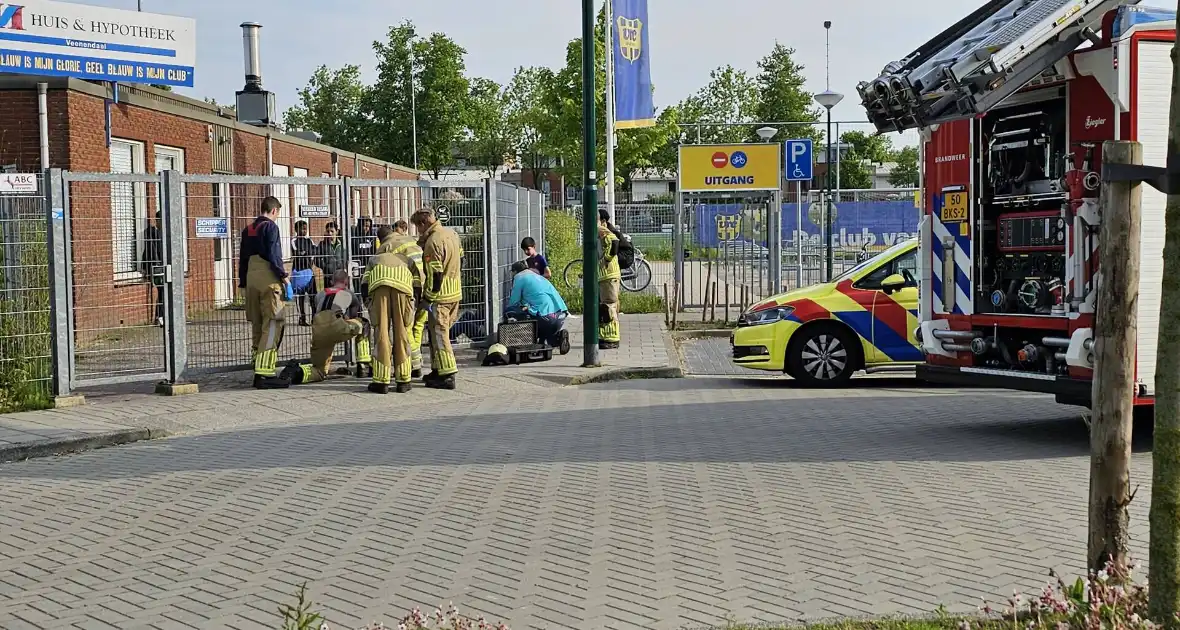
column 638, row 504
column 226, row 399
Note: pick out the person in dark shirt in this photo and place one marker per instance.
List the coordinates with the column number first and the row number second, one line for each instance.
column 262, row 274
column 151, row 263
column 534, row 259
column 332, row 255
column 364, row 241
column 303, row 258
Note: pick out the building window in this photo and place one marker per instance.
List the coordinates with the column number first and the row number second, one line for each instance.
column 300, row 193
column 672, row 186
column 172, row 159
column 283, row 193
column 129, row 213
column 329, row 199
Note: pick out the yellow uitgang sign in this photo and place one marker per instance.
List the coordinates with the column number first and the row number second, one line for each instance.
column 954, row 207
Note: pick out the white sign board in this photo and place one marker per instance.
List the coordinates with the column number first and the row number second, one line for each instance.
column 212, row 227
column 18, row 183
column 64, row 39
column 309, row 211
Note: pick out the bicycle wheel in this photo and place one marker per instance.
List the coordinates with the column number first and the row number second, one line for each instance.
column 573, row 274
column 639, row 278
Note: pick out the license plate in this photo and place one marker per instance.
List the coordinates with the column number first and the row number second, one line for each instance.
column 954, row 207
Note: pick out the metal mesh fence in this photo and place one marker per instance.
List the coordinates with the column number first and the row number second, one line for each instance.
column 461, row 206
column 26, row 338
column 117, row 276
column 519, row 213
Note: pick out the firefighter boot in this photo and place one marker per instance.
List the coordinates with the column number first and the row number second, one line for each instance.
column 293, row 373
column 270, row 382
column 416, row 373
column 403, row 388
column 441, row 382
column 379, row 388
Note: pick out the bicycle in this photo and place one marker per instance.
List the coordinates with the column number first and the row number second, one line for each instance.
column 635, row 279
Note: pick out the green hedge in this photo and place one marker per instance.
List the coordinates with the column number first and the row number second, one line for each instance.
column 563, row 245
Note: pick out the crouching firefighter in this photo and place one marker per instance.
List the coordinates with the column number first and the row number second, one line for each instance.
column 388, row 285
column 262, row 275
column 337, row 316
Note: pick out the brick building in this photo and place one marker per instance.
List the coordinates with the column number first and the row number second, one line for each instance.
column 151, row 130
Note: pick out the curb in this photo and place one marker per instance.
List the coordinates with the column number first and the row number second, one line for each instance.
column 624, row 374
column 706, row 333
column 48, row 448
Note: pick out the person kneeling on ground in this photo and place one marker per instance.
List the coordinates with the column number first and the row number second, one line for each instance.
column 534, row 297
column 337, row 317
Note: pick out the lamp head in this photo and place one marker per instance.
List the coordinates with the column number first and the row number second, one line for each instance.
column 766, row 133
column 828, row 99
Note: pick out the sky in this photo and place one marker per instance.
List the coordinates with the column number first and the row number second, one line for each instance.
column 688, row 38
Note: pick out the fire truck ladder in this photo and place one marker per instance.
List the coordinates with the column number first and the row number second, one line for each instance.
column 981, row 60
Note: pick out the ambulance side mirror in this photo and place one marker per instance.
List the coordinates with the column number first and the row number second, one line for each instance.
column 893, row 283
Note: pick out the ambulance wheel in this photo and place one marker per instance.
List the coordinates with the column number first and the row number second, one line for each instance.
column 823, row 355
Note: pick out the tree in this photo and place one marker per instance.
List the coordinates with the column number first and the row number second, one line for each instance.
column 730, row 96
column 331, row 105
column 858, row 164
column 490, row 132
column 905, row 170
column 387, row 104
column 442, row 93
column 166, row 88
column 782, row 96
column 1164, row 550
column 529, row 118
column 636, row 148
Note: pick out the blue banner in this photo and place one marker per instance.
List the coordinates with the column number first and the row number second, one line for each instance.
column 633, row 100
column 878, row 223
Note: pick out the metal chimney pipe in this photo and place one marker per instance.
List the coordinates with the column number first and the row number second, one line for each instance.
column 250, row 49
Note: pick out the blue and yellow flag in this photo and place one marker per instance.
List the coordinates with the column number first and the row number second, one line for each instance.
column 633, row 103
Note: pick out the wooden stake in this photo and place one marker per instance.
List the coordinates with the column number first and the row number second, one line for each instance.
column 726, row 302
column 708, row 281
column 675, row 302
column 1112, row 389
column 713, row 302
column 667, row 308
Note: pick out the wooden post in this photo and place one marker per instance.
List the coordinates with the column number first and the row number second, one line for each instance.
column 675, row 302
column 1112, row 389
column 667, row 307
column 713, row 302
column 708, row 281
column 726, row 302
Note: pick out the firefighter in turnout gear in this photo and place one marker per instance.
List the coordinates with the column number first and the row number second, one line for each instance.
column 337, row 317
column 404, row 243
column 442, row 290
column 262, row 275
column 389, row 287
column 609, row 276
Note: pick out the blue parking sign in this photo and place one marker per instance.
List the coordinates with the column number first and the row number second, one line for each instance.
column 799, row 161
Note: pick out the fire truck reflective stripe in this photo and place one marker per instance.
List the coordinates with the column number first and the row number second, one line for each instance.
column 962, row 262
column 936, row 275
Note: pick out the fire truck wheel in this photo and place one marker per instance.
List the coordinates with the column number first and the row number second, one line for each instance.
column 823, row 355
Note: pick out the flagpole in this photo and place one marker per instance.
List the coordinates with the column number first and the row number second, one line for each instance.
column 610, row 112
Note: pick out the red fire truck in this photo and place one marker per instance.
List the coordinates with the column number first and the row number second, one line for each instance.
column 1013, row 103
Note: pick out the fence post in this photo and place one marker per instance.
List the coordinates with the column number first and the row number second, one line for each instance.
column 175, row 311
column 344, row 190
column 58, row 231
column 492, row 272
column 678, row 246
column 774, row 242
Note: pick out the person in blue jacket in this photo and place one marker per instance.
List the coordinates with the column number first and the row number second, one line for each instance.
column 534, row 297
column 262, row 274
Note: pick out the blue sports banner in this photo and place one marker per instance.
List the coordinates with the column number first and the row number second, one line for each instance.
column 880, row 224
column 633, row 101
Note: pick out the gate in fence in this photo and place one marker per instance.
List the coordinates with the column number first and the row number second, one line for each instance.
column 746, row 249
column 26, row 342
column 144, row 266
column 727, row 249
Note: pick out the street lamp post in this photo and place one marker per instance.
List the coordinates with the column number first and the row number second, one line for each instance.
column 589, row 194
column 828, row 99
